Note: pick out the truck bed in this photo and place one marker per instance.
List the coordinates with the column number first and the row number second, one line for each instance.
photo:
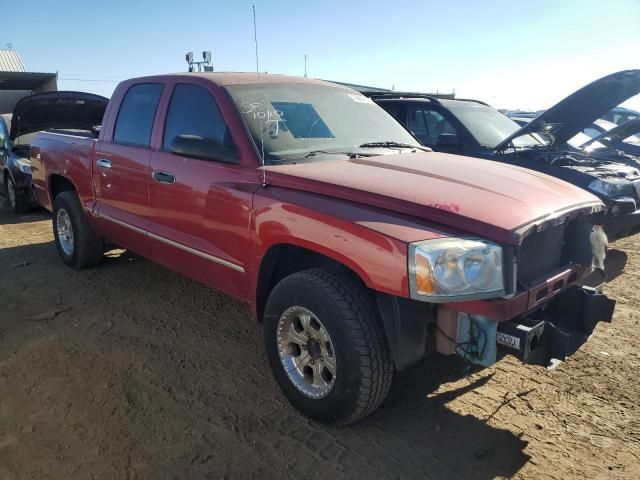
column 73, row 132
column 69, row 153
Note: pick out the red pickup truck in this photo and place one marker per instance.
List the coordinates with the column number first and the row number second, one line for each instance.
column 358, row 249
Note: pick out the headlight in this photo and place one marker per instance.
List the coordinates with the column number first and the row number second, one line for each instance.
column 615, row 187
column 23, row 165
column 455, row 269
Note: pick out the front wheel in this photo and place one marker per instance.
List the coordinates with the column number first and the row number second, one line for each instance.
column 17, row 200
column 326, row 346
column 78, row 245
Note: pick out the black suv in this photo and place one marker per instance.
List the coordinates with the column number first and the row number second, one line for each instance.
column 473, row 128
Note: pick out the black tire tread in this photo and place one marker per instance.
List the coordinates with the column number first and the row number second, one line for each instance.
column 22, row 204
column 88, row 244
column 364, row 322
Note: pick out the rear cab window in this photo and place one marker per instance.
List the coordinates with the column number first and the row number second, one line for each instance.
column 136, row 115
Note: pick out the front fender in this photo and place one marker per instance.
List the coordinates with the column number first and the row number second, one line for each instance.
column 354, row 235
column 20, row 179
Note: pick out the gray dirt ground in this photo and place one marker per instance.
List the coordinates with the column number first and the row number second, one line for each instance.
column 145, row 374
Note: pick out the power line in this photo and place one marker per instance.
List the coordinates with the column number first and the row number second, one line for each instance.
column 91, row 75
column 90, row 80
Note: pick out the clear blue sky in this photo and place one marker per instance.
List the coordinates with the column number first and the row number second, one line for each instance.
column 508, row 53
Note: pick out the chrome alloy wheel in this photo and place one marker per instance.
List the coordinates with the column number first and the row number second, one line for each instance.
column 11, row 192
column 306, row 352
column 65, row 231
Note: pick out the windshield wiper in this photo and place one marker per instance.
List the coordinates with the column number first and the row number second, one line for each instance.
column 512, row 146
column 313, row 153
column 391, row 144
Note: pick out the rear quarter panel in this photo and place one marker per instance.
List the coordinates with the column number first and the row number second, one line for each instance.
column 65, row 155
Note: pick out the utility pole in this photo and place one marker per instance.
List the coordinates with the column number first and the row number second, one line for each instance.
column 305, row 65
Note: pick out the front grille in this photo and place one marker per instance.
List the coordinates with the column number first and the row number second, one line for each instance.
column 540, row 253
column 543, row 252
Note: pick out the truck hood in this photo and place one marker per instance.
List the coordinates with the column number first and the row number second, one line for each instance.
column 616, row 134
column 580, row 109
column 71, row 110
column 493, row 200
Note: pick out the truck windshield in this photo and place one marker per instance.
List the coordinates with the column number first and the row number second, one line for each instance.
column 290, row 122
column 490, row 127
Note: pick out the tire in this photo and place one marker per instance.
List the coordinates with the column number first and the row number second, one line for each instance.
column 361, row 359
column 87, row 247
column 17, row 200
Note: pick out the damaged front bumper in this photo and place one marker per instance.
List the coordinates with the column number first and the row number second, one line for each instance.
column 557, row 332
column 24, row 187
column 554, row 331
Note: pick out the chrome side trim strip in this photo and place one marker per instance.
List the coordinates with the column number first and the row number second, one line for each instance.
column 124, row 224
column 193, row 251
column 180, row 246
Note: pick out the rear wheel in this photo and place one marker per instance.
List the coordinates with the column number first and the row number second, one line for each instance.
column 326, row 346
column 17, row 200
column 78, row 245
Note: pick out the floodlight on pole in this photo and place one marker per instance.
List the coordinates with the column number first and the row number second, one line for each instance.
column 206, row 61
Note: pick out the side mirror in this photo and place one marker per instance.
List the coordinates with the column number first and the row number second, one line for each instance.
column 448, row 140
column 194, row 146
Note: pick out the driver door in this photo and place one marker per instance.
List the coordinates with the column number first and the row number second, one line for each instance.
column 199, row 210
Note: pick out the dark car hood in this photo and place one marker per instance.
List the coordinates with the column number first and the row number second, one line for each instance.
column 617, row 134
column 72, row 110
column 494, row 200
column 580, row 109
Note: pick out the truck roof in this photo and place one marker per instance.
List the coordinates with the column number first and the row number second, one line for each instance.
column 241, row 78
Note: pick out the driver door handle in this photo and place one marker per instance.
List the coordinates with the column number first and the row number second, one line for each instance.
column 163, row 177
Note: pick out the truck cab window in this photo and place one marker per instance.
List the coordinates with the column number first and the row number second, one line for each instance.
column 428, row 125
column 135, row 119
column 193, row 111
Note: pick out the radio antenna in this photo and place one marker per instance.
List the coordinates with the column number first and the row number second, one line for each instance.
column 255, row 40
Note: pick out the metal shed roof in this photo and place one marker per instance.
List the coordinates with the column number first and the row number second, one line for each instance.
column 26, row 80
column 10, row 61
